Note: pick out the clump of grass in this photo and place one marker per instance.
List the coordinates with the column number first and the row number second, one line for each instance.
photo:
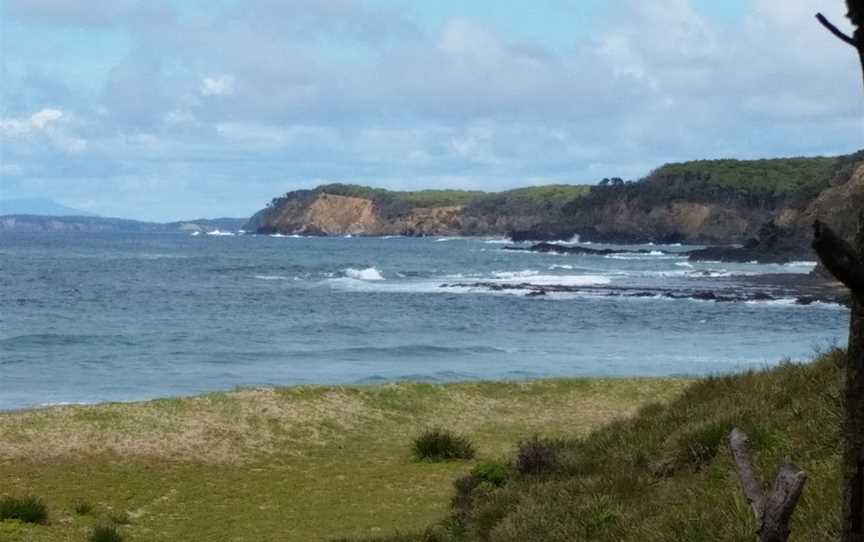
column 698, row 446
column 441, row 445
column 83, row 508
column 25, row 509
column 537, row 456
column 492, row 473
column 105, row 533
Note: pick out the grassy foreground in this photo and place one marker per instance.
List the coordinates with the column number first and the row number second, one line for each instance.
column 666, row 474
column 308, row 463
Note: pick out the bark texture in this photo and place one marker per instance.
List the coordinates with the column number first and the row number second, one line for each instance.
column 772, row 510
column 846, row 263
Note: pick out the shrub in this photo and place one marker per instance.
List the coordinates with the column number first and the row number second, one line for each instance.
column 106, row 533
column 492, row 472
column 537, row 456
column 26, row 509
column 441, row 445
column 83, row 508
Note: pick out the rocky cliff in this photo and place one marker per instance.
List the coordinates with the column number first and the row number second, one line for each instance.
column 706, row 202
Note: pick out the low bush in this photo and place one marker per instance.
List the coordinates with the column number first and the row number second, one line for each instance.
column 441, row 445
column 105, row 533
column 537, row 456
column 83, row 508
column 26, row 509
column 492, row 472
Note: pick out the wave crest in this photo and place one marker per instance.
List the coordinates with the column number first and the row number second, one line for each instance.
column 369, row 273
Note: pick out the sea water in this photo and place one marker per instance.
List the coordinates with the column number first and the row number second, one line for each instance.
column 117, row 317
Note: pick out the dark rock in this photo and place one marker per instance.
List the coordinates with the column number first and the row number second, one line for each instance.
column 773, row 245
column 546, row 232
column 564, row 249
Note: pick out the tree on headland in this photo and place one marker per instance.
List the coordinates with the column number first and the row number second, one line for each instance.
column 846, row 262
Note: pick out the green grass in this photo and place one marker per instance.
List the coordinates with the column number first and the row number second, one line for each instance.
column 24, row 509
column 307, row 463
column 666, row 474
column 105, row 533
column 441, row 445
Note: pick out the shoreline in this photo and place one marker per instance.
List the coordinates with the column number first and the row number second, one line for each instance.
column 808, row 287
column 301, row 389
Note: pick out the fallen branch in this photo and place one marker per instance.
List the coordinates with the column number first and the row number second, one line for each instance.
column 773, row 510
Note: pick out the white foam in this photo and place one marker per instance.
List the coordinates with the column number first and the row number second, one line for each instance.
column 369, row 273
column 507, row 275
column 684, row 264
column 498, row 241
column 562, row 266
column 196, row 233
column 533, row 277
column 272, row 277
column 792, row 302
column 801, row 264
column 220, row 233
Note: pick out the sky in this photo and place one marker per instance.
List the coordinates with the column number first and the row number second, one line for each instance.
column 165, row 110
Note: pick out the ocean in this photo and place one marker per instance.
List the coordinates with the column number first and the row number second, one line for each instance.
column 87, row 318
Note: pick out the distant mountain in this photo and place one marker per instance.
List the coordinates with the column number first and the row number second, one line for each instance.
column 95, row 224
column 38, row 206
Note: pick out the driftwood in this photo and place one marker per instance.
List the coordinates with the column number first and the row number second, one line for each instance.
column 773, row 510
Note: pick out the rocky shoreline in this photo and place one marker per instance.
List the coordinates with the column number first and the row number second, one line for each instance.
column 771, row 288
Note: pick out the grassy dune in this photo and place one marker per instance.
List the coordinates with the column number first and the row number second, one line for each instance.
column 665, row 475
column 308, row 463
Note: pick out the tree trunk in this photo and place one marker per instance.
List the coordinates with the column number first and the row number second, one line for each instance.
column 846, row 263
column 853, row 454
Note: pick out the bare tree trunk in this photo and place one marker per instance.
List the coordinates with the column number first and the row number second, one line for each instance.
column 773, row 510
column 846, row 262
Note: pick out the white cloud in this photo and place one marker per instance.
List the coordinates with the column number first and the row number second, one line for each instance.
column 219, row 85
column 36, row 122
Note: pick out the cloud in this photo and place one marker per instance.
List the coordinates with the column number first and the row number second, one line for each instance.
column 242, row 101
column 34, row 123
column 221, row 85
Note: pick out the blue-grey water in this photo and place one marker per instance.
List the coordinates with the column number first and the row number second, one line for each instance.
column 97, row 317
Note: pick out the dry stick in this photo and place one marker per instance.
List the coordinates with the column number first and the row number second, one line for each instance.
column 773, row 510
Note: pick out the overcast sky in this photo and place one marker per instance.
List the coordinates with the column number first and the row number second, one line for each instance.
column 164, row 110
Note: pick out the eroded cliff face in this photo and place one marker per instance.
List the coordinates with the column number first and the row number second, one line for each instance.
column 327, row 214
column 626, row 216
column 681, row 221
